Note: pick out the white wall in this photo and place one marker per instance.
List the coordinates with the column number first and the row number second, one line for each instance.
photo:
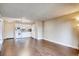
column 9, row 28
column 34, row 34
column 1, row 32
column 61, row 32
column 37, row 30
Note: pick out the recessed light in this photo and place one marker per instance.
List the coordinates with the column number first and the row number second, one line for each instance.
column 77, row 24
column 77, row 18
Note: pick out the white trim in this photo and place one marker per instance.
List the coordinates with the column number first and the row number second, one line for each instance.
column 75, row 47
column 63, row 44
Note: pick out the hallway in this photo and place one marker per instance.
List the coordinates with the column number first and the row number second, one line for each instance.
column 33, row 47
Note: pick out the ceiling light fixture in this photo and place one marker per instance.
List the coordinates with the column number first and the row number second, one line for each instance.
column 78, row 25
column 77, row 18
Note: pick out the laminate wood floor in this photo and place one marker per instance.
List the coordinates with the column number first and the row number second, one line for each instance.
column 33, row 47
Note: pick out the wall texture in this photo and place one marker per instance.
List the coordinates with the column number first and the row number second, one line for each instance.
column 61, row 32
column 1, row 32
column 9, row 29
column 37, row 30
column 34, row 34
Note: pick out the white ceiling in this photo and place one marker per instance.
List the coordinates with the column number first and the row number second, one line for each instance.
column 38, row 11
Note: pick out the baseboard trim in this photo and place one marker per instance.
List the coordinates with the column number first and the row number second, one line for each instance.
column 62, row 44
column 59, row 43
column 36, row 38
column 8, row 38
